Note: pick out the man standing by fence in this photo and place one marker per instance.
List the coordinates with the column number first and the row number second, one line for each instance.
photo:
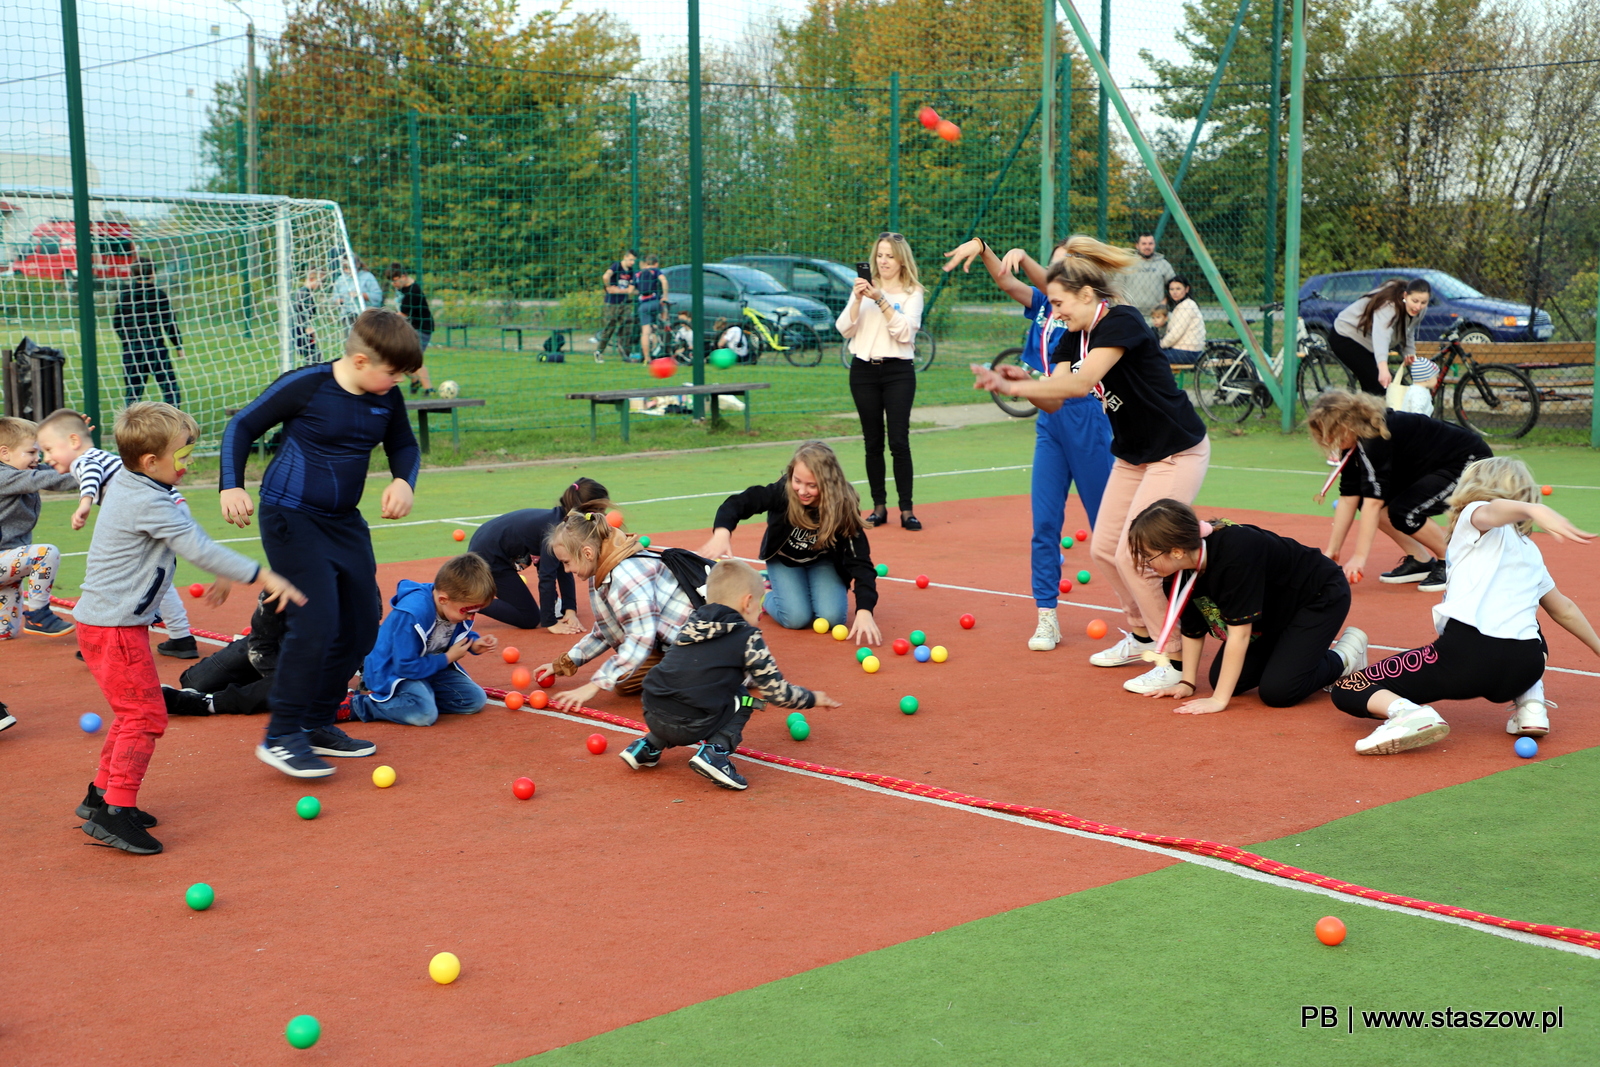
column 1144, row 284
column 619, row 311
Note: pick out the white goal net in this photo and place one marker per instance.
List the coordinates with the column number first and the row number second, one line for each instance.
column 255, row 286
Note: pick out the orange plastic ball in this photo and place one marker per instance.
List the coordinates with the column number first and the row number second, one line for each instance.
column 928, row 117
column 460, row 535
column 1546, row 490
column 1330, row 931
column 614, row 518
column 538, row 699
column 948, row 130
column 510, row 654
column 521, row 678
column 513, row 701
column 1096, row 629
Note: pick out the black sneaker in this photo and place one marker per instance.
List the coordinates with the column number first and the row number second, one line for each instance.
column 95, row 799
column 186, row 701
column 179, row 648
column 292, row 755
column 45, row 623
column 119, row 828
column 1436, row 580
column 7, row 720
column 1410, row 569
column 712, row 761
column 641, row 754
column 332, row 741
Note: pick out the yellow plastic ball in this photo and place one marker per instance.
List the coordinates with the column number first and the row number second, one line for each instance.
column 870, row 664
column 383, row 777
column 821, row 626
column 444, row 968
column 841, row 632
column 939, row 654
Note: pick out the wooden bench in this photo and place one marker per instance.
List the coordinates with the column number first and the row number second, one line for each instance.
column 554, row 331
column 1527, row 354
column 619, row 399
column 438, row 403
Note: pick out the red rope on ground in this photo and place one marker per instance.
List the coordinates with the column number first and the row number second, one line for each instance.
column 1216, row 850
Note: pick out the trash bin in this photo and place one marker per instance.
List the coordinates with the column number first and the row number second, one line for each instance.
column 34, row 381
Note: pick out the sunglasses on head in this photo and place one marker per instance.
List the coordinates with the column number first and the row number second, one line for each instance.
column 891, row 236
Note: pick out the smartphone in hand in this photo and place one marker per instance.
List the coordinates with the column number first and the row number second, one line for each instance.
column 864, row 271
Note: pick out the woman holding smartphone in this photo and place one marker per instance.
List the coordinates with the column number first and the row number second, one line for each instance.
column 880, row 323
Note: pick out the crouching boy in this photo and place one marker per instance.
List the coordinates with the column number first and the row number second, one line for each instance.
column 699, row 692
column 413, row 673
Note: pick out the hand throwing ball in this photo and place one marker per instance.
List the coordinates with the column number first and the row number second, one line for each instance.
column 521, row 678
column 449, row 390
column 841, row 632
column 923, row 653
column 928, row 117
column 199, row 896
column 870, row 664
column 1330, row 931
column 522, row 788
column 197, row 590
column 444, row 968
column 303, row 1031
column 922, row 581
column 939, row 654
column 596, row 743
column 908, row 704
column 968, row 622
column 383, row 777
column 308, row 807
column 901, row 646
column 89, row 722
column 723, row 358
column 820, row 626
column 510, row 654
column 662, row 367
column 614, row 519
column 1526, row 747
column 948, row 130
column 1096, row 629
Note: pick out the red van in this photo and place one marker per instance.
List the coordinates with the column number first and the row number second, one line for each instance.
column 52, row 251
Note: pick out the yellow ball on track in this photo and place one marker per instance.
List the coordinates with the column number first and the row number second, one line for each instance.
column 870, row 664
column 444, row 968
column 383, row 777
column 939, row 654
column 841, row 632
column 820, row 625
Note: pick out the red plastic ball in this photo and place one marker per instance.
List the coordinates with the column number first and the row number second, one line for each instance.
column 662, row 367
column 510, row 654
column 596, row 743
column 538, row 699
column 928, row 117
column 948, row 130
column 901, row 646
column 968, row 622
column 197, row 590
column 1082, row 535
column 1065, row 586
column 1330, row 931
column 523, row 788
column 546, row 680
column 922, row 581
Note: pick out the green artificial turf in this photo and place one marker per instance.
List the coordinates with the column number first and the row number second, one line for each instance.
column 1193, row 966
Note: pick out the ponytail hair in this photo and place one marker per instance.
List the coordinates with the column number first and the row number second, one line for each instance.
column 1162, row 527
column 581, row 528
column 1092, row 264
column 586, row 494
column 1392, row 292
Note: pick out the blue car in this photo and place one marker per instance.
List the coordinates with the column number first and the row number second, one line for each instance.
column 1483, row 318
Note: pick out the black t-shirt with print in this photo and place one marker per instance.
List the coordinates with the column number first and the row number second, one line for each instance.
column 621, row 277
column 1252, row 576
column 800, row 547
column 1151, row 418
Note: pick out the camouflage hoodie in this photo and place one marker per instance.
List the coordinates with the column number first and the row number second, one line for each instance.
column 713, row 659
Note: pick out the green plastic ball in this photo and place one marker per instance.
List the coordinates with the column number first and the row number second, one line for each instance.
column 794, row 717
column 1083, row 577
column 918, row 637
column 199, row 896
column 1067, row 542
column 644, row 540
column 799, row 729
column 308, row 808
column 723, row 358
column 883, row 570
column 303, row 1031
column 909, row 705
column 862, row 653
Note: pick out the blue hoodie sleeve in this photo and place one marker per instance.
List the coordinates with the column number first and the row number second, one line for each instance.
column 408, row 645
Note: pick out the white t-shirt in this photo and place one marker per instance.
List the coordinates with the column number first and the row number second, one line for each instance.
column 733, row 338
column 1496, row 580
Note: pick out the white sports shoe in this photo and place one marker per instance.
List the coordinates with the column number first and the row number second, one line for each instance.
column 1128, row 651
column 1157, row 678
column 1352, row 649
column 1048, row 633
column 1410, row 729
column 1530, row 716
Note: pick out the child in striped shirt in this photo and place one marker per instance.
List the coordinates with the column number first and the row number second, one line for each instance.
column 65, row 444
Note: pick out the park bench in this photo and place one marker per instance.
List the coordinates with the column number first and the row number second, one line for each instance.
column 450, row 329
column 619, row 399
column 518, row 329
column 1562, row 372
column 438, row 403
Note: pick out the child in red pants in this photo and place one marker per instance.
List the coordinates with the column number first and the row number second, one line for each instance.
column 141, row 532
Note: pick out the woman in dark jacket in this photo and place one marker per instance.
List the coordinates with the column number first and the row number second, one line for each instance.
column 815, row 545
column 511, row 543
column 144, row 321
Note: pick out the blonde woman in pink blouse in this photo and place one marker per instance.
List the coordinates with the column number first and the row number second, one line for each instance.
column 880, row 322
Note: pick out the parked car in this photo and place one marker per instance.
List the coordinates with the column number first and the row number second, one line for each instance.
column 1483, row 318
column 52, row 252
column 820, row 279
column 729, row 287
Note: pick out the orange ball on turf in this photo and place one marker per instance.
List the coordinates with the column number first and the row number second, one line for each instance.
column 948, row 130
column 460, row 535
column 1330, row 931
column 538, row 699
column 510, row 654
column 513, row 700
column 614, row 518
column 1546, row 490
column 521, row 678
column 1096, row 629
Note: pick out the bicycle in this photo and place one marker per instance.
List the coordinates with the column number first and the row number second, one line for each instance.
column 923, row 349
column 1228, row 387
column 796, row 338
column 1494, row 400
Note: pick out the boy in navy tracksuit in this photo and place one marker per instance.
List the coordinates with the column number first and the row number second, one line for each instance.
column 699, row 692
column 333, row 416
column 413, row 673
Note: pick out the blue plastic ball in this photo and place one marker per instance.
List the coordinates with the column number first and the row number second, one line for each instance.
column 89, row 722
column 1526, row 747
column 922, row 653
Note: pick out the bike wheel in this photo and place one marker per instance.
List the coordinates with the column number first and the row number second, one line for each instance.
column 845, row 355
column 1014, row 406
column 923, row 348
column 1320, row 370
column 1496, row 401
column 802, row 344
column 1224, row 384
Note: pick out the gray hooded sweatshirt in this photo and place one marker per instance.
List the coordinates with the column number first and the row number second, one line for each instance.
column 19, row 501
column 141, row 531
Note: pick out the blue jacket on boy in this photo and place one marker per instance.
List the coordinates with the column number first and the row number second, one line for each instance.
column 398, row 655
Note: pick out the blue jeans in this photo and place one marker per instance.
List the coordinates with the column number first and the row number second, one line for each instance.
column 801, row 594
column 420, row 702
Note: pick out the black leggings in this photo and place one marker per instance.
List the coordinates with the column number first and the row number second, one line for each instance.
column 883, row 393
column 1361, row 362
column 1462, row 664
column 1291, row 664
column 514, row 602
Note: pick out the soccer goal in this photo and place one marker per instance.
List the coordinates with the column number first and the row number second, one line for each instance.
column 256, row 285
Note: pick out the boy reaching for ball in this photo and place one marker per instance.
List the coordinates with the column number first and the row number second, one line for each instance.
column 413, row 674
column 699, row 692
column 143, row 528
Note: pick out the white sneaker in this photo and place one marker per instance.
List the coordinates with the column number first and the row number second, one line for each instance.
column 1048, row 633
column 1157, row 678
column 1530, row 716
column 1124, row 653
column 1352, row 649
column 1410, row 729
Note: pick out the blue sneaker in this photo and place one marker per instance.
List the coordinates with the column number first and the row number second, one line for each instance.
column 292, row 755
column 641, row 754
column 45, row 623
column 712, row 762
column 332, row 741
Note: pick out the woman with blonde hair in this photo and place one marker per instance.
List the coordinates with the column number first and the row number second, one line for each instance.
column 814, row 547
column 880, row 322
column 1160, row 444
column 1489, row 646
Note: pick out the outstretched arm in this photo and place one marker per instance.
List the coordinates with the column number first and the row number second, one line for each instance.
column 1561, row 608
column 963, row 255
column 1506, row 512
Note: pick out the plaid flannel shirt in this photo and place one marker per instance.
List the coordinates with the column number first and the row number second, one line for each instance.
column 637, row 607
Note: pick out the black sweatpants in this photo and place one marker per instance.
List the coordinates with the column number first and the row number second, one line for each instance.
column 884, row 393
column 140, row 363
column 236, row 687
column 1291, row 664
column 1358, row 359
column 514, row 603
column 329, row 560
column 1462, row 664
column 725, row 729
